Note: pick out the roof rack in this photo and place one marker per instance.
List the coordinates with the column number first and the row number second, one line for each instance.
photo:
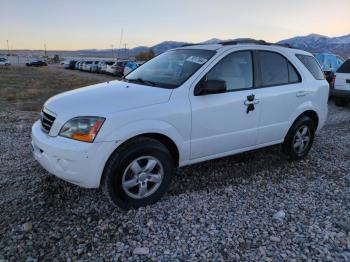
column 252, row 41
column 184, row 45
column 243, row 41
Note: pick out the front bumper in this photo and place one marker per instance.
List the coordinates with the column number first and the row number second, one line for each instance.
column 340, row 93
column 77, row 162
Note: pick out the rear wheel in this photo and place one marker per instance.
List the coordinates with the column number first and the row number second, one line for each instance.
column 299, row 139
column 138, row 174
column 340, row 101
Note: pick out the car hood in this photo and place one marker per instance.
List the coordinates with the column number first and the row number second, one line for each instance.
column 105, row 98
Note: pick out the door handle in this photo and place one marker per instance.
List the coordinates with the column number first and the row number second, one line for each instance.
column 302, row 93
column 254, row 102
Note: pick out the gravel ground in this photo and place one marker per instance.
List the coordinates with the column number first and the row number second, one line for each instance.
column 256, row 206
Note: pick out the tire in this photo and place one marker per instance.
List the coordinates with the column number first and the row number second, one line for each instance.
column 123, row 186
column 341, row 102
column 298, row 143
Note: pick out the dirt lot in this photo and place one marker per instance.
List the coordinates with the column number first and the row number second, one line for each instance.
column 254, row 207
column 27, row 88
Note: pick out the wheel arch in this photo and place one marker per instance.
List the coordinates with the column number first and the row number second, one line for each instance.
column 164, row 139
column 310, row 113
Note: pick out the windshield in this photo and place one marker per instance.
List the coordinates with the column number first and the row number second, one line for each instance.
column 170, row 69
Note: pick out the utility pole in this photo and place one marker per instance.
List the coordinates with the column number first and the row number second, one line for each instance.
column 45, row 49
column 8, row 48
column 120, row 42
column 112, row 46
column 125, row 51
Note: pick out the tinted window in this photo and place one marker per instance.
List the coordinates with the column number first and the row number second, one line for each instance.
column 235, row 69
column 345, row 67
column 311, row 64
column 294, row 76
column 274, row 69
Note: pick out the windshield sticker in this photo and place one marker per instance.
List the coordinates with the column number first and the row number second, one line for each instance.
column 197, row 60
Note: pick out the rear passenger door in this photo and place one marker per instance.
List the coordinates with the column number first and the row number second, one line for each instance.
column 281, row 91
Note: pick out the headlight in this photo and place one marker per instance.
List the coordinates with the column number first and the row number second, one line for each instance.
column 82, row 128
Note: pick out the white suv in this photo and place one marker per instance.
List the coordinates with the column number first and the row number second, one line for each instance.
column 185, row 106
column 341, row 85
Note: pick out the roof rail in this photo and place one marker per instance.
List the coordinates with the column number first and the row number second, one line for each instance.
column 243, row 41
column 189, row 44
column 252, row 41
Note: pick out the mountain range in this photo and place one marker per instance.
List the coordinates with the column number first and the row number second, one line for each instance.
column 312, row 43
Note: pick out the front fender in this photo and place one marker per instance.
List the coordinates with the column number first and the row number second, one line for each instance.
column 126, row 132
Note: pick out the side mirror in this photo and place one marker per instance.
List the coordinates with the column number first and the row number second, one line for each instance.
column 208, row 87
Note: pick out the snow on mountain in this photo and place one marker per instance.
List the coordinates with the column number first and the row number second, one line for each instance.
column 341, row 39
column 312, row 43
column 319, row 43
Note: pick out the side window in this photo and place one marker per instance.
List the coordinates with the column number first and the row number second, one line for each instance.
column 274, row 69
column 235, row 69
column 345, row 67
column 311, row 64
column 294, row 76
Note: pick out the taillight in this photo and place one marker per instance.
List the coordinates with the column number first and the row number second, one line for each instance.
column 332, row 83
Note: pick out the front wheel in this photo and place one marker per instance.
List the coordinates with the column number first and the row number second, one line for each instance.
column 299, row 139
column 138, row 173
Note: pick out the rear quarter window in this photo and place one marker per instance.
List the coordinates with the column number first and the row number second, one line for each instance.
column 312, row 65
column 345, row 67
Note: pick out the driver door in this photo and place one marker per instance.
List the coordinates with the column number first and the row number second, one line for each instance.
column 226, row 122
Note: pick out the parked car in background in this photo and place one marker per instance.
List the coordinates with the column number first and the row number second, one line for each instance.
column 106, row 65
column 81, row 65
column 87, row 66
column 111, row 68
column 70, row 64
column 329, row 63
column 129, row 67
column 94, row 66
column 4, row 62
column 100, row 66
column 36, row 63
column 341, row 90
column 185, row 106
column 65, row 64
column 117, row 68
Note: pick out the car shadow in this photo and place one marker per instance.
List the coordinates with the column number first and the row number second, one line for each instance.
column 230, row 170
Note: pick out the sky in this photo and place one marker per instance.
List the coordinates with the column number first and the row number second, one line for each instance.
column 87, row 24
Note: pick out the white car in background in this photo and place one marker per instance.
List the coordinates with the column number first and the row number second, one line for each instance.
column 106, row 66
column 94, row 66
column 341, row 83
column 87, row 66
column 4, row 62
column 185, row 106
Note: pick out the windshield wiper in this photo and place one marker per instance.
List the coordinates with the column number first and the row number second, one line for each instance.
column 142, row 81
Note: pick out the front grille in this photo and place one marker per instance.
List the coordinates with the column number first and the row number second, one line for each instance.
column 46, row 121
